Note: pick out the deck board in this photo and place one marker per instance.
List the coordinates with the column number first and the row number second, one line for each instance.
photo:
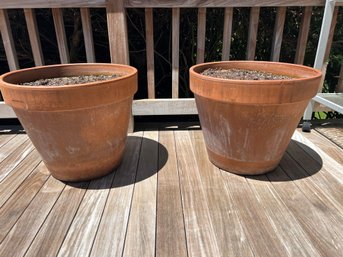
column 167, row 199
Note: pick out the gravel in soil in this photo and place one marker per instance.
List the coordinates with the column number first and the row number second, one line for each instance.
column 63, row 81
column 241, row 74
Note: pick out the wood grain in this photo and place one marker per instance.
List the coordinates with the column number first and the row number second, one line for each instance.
column 62, row 43
column 286, row 227
column 88, row 34
column 4, row 139
column 252, row 34
column 140, row 237
column 263, row 240
column 201, row 35
column 230, row 236
column 303, row 35
column 278, row 33
column 7, row 39
column 200, row 232
column 175, row 51
column 29, row 223
column 13, row 208
column 312, row 218
column 117, row 32
column 13, row 160
column 18, row 175
column 227, row 32
column 170, row 227
column 116, row 214
column 32, row 29
column 80, row 236
column 220, row 3
column 149, row 35
column 52, row 233
column 18, row 4
column 8, row 148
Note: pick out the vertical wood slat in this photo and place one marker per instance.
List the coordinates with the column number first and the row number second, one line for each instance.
column 88, row 34
column 303, row 35
column 278, row 33
column 227, row 33
column 201, row 33
column 7, row 40
column 32, row 29
column 175, row 51
column 117, row 31
column 252, row 36
column 149, row 34
column 62, row 43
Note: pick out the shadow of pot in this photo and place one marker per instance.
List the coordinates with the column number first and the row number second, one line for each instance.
column 248, row 124
column 79, row 130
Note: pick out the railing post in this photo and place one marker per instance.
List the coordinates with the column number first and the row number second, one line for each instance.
column 117, row 31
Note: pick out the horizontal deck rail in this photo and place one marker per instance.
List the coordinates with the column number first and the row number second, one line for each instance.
column 119, row 45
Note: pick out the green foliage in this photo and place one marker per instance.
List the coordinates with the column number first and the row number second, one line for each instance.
column 188, row 41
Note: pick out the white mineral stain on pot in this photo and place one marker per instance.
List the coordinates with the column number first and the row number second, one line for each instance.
column 72, row 150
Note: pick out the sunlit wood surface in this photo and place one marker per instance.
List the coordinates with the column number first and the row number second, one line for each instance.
column 167, row 199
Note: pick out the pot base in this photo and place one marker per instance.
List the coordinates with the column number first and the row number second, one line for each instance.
column 241, row 167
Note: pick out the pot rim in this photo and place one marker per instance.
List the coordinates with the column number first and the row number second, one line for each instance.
column 6, row 84
column 316, row 73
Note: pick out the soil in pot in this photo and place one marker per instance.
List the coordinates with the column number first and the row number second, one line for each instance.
column 74, row 80
column 242, row 74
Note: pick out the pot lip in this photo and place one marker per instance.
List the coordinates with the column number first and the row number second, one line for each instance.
column 317, row 73
column 3, row 82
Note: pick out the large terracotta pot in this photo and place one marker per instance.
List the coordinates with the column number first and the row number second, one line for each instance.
column 247, row 125
column 79, row 130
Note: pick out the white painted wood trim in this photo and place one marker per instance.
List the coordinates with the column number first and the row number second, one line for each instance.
column 183, row 106
column 6, row 112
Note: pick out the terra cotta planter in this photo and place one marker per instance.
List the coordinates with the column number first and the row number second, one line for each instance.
column 248, row 124
column 79, row 130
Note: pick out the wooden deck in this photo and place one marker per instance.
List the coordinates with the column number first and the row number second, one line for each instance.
column 167, row 199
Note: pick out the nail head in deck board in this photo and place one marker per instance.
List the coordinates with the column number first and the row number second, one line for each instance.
column 82, row 231
column 117, row 32
column 111, row 233
column 175, row 51
column 201, row 34
column 200, row 234
column 291, row 234
column 149, row 34
column 140, row 236
column 229, row 232
column 32, row 29
column 57, row 15
column 312, row 219
column 51, row 235
column 278, row 33
column 227, row 31
column 7, row 39
column 21, row 198
column 303, row 35
column 13, row 160
column 18, row 175
column 88, row 34
column 252, row 35
column 264, row 240
column 26, row 228
column 170, row 227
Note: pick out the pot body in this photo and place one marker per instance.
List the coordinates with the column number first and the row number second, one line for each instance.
column 247, row 125
column 79, row 130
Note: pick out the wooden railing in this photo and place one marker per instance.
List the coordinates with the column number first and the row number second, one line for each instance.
column 118, row 38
